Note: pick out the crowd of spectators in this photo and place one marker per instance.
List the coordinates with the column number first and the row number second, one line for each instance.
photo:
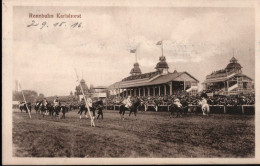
column 191, row 100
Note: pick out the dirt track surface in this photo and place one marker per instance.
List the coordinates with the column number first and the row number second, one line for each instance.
column 153, row 134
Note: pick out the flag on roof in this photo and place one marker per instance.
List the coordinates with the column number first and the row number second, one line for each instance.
column 133, row 51
column 159, row 43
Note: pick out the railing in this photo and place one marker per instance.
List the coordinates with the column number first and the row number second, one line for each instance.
column 214, row 109
column 232, row 87
column 192, row 88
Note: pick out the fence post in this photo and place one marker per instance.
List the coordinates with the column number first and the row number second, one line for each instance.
column 168, row 108
column 114, row 107
column 225, row 111
column 243, row 109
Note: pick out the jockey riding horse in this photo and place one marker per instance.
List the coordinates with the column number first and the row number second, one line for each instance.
column 92, row 107
column 176, row 106
column 22, row 106
column 204, row 105
column 125, row 106
column 134, row 108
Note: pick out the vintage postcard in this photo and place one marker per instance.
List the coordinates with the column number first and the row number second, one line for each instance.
column 130, row 82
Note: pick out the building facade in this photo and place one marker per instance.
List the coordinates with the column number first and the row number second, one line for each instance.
column 229, row 81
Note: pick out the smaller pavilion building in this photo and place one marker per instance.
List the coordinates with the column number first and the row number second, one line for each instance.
column 229, row 81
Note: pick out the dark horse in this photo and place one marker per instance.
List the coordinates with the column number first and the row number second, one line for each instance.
column 41, row 109
column 84, row 109
column 174, row 108
column 37, row 106
column 23, row 106
column 133, row 108
column 56, row 110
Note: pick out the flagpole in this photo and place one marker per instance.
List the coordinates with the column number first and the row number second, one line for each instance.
column 92, row 121
column 25, row 101
column 162, row 47
column 136, row 55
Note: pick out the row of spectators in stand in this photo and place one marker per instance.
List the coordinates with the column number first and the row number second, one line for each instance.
column 191, row 100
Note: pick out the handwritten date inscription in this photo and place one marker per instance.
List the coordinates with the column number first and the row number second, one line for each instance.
column 45, row 24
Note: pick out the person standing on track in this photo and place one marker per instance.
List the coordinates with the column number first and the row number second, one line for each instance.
column 100, row 106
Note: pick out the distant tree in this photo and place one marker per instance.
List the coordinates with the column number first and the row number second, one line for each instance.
column 40, row 97
column 30, row 95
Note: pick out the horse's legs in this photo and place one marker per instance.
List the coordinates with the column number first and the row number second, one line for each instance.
column 86, row 111
column 94, row 113
column 123, row 113
column 135, row 112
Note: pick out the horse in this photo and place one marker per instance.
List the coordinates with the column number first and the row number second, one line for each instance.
column 175, row 108
column 50, row 109
column 204, row 107
column 22, row 106
column 134, row 108
column 37, row 107
column 55, row 111
column 83, row 108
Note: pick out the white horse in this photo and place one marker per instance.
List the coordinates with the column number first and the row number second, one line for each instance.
column 204, row 106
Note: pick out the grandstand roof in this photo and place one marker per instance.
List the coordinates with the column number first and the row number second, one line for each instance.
column 222, row 79
column 156, row 79
column 233, row 66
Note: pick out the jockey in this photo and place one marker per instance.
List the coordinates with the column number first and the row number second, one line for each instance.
column 82, row 105
column 178, row 106
column 177, row 103
column 204, row 104
column 44, row 102
column 128, row 102
column 56, row 102
column 89, row 103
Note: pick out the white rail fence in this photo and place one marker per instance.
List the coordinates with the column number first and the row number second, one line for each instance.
column 215, row 109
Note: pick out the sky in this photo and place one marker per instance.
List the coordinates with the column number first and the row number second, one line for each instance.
column 195, row 40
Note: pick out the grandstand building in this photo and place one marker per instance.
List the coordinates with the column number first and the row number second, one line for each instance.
column 158, row 83
column 229, row 81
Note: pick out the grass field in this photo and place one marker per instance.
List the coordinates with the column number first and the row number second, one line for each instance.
column 153, row 134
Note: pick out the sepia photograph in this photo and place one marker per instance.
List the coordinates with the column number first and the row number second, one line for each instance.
column 130, row 82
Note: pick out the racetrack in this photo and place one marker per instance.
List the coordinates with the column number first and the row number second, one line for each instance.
column 153, row 134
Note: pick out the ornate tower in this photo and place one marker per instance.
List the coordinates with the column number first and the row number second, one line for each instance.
column 136, row 70
column 234, row 66
column 162, row 65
